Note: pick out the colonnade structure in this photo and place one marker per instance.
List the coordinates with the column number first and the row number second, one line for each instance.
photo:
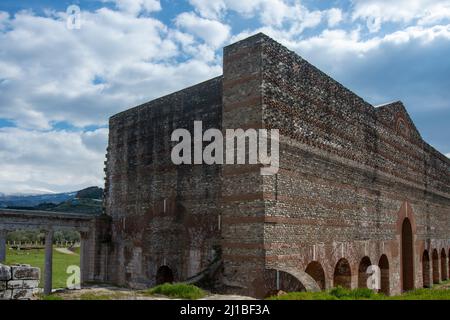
column 88, row 225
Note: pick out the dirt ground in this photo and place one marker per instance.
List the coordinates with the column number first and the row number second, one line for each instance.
column 98, row 292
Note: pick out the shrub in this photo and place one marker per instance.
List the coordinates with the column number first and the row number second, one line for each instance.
column 177, row 290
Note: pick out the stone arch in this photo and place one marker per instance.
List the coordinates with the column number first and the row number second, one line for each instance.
column 435, row 258
column 315, row 270
column 383, row 264
column 164, row 275
column 288, row 280
column 362, row 272
column 426, row 269
column 342, row 274
column 407, row 254
column 443, row 265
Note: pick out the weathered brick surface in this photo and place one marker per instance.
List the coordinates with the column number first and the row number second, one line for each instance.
column 5, row 272
column 19, row 282
column 25, row 272
column 162, row 214
column 15, row 284
column 350, row 175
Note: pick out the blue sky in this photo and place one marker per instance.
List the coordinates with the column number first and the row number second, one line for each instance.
column 59, row 86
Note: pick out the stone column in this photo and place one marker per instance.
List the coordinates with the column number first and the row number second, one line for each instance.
column 48, row 262
column 83, row 257
column 3, row 234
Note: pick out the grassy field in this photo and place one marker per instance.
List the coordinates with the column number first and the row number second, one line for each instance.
column 438, row 292
column 35, row 258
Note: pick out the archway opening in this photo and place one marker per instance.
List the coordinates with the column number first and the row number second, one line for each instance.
column 342, row 274
column 407, row 256
column 426, row 269
column 315, row 270
column 362, row 272
column 443, row 265
column 383, row 264
column 435, row 258
column 277, row 280
column 164, row 275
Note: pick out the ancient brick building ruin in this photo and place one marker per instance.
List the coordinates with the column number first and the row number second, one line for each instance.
column 357, row 186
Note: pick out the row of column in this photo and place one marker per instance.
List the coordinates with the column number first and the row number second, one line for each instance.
column 48, row 264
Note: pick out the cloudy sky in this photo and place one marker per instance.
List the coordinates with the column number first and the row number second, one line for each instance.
column 59, row 85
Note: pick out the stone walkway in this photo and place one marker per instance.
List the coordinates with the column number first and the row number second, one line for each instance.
column 64, row 250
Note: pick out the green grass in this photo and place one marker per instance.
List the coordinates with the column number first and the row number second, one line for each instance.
column 177, row 290
column 35, row 258
column 50, row 297
column 338, row 293
column 93, row 296
column 365, row 294
column 424, row 294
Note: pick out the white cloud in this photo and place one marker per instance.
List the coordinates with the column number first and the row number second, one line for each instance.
column 270, row 12
column 377, row 12
column 211, row 31
column 447, row 155
column 209, row 9
column 56, row 161
column 47, row 71
column 134, row 7
column 51, row 74
column 334, row 16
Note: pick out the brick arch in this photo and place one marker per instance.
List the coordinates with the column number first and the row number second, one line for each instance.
column 315, row 270
column 342, row 274
column 426, row 269
column 164, row 275
column 383, row 264
column 444, row 274
column 407, row 255
column 435, row 259
column 362, row 272
column 406, row 213
column 288, row 280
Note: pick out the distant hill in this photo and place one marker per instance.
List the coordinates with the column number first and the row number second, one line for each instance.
column 34, row 200
column 88, row 200
column 90, row 193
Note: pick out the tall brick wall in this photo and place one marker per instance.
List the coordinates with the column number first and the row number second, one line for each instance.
column 347, row 171
column 162, row 214
column 242, row 203
column 350, row 175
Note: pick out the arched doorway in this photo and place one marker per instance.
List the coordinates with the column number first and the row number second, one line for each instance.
column 426, row 269
column 435, row 258
column 315, row 270
column 278, row 280
column 164, row 275
column 407, row 256
column 443, row 265
column 342, row 274
column 383, row 264
column 362, row 272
